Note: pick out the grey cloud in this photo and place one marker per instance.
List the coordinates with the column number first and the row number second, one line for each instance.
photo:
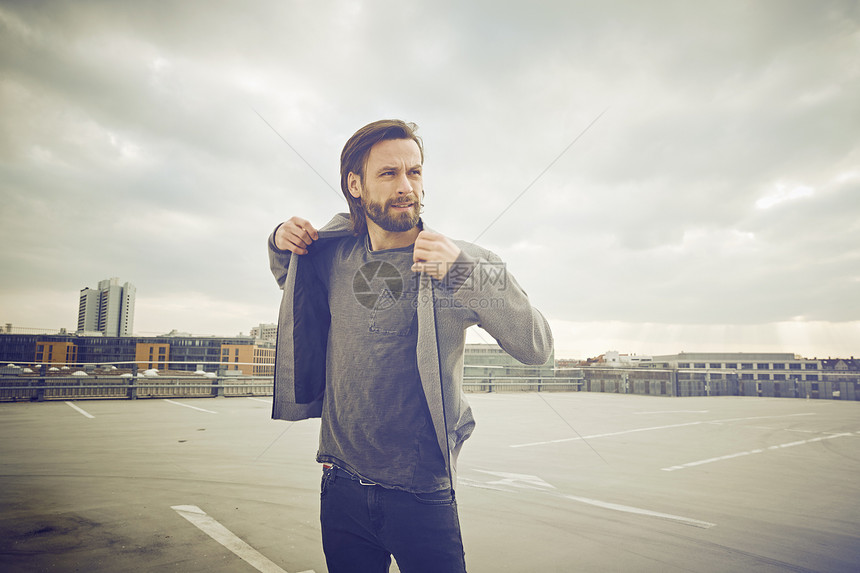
column 134, row 148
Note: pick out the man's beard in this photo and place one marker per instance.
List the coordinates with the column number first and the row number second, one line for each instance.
column 380, row 214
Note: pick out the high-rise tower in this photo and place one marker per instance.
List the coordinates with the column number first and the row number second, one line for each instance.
column 108, row 309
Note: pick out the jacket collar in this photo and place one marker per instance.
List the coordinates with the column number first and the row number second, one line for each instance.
column 340, row 226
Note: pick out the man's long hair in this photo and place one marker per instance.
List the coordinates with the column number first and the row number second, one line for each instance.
column 353, row 159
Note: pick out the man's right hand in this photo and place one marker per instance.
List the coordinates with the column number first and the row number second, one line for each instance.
column 295, row 235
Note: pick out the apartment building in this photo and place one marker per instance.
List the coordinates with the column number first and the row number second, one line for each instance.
column 267, row 332
column 109, row 309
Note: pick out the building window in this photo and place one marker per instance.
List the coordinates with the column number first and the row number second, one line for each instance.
column 811, row 366
column 715, row 365
column 683, row 364
column 794, row 366
column 746, row 366
column 699, row 365
column 731, row 365
column 812, row 376
column 762, row 366
column 779, row 366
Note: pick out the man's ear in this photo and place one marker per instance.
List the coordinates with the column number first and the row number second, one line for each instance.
column 353, row 183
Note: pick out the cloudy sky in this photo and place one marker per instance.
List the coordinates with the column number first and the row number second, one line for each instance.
column 710, row 203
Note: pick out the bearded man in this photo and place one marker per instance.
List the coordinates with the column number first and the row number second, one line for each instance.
column 371, row 337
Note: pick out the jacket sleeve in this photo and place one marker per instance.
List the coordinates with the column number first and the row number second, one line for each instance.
column 279, row 261
column 483, row 285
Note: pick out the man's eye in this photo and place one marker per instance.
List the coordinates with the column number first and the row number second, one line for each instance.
column 416, row 172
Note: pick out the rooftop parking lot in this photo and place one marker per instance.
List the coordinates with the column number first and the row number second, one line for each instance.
column 549, row 482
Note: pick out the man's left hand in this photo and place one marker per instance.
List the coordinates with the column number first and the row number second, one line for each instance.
column 434, row 254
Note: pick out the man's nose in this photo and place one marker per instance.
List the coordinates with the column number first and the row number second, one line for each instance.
column 404, row 185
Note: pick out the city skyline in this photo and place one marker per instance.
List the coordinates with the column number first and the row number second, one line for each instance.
column 263, row 331
column 660, row 177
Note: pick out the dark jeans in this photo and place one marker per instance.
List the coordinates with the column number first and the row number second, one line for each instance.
column 363, row 526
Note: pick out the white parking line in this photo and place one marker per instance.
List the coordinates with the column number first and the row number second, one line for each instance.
column 228, row 539
column 639, row 511
column 621, row 433
column 760, row 417
column 81, row 410
column 772, row 429
column 675, row 412
column 751, row 452
column 513, row 482
column 633, row 431
column 260, row 400
column 188, row 406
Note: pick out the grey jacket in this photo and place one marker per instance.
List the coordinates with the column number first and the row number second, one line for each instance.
column 481, row 292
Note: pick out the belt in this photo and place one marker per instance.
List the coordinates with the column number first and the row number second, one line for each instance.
column 339, row 471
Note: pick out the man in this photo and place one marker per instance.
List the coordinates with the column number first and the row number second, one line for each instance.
column 371, row 338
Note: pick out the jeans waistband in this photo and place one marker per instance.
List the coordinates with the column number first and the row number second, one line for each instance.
column 339, row 471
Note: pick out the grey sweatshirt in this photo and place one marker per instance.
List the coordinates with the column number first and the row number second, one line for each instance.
column 478, row 290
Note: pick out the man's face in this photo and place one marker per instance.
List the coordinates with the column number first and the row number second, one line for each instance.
column 393, row 187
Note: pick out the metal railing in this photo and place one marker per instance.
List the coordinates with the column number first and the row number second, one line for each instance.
column 38, row 389
column 102, row 384
column 119, row 388
column 519, row 384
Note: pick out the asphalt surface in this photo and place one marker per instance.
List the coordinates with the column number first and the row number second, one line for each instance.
column 657, row 484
